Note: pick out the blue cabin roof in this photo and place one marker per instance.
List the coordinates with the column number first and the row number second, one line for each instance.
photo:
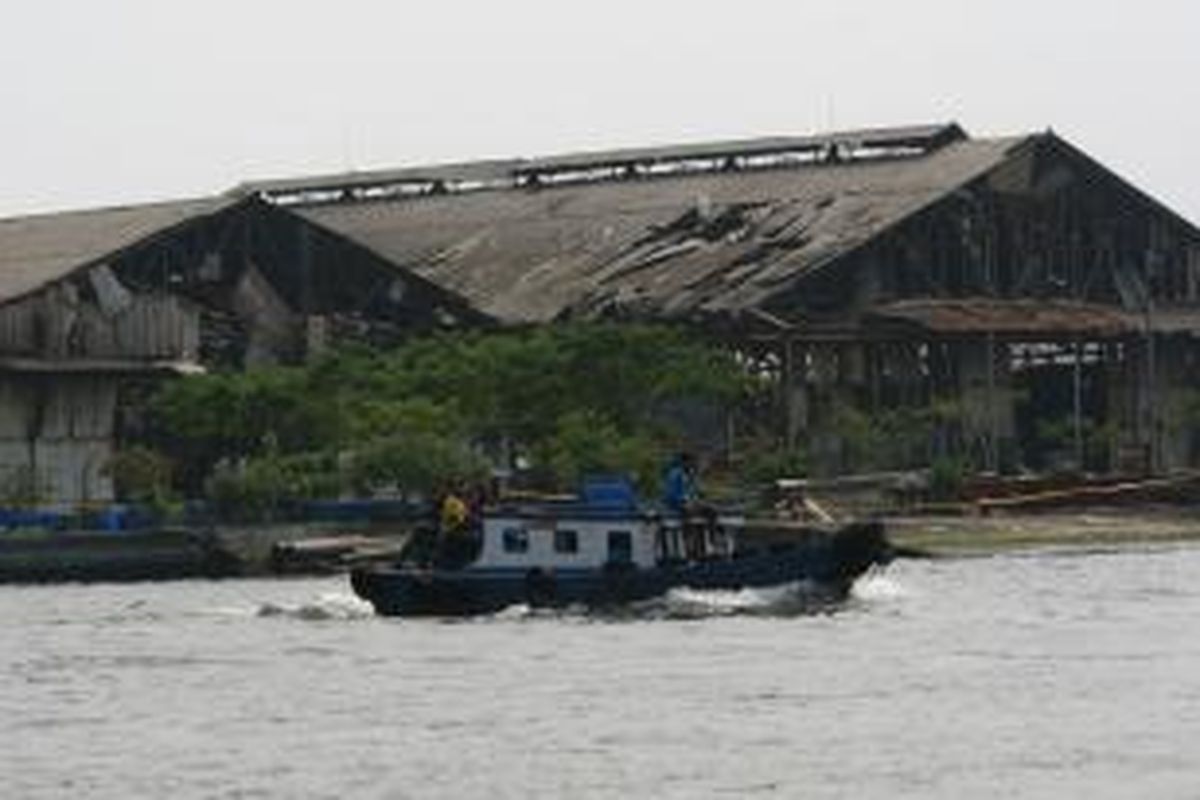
column 609, row 491
column 600, row 497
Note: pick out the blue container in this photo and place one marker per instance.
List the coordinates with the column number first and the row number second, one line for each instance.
column 35, row 518
column 113, row 518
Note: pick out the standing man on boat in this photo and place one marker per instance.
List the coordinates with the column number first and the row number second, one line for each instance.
column 681, row 494
column 455, row 545
column 680, row 491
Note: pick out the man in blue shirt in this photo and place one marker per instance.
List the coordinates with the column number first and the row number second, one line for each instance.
column 681, row 494
column 679, row 487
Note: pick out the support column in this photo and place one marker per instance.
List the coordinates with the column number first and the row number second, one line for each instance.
column 1077, row 403
column 823, row 440
column 305, row 270
column 993, row 450
column 787, row 385
column 798, row 398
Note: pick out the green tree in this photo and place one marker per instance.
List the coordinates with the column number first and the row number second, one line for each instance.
column 578, row 397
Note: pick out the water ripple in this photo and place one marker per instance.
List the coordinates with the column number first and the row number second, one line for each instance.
column 1041, row 675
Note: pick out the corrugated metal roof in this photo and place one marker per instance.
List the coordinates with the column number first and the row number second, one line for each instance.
column 482, row 171
column 36, row 250
column 675, row 245
column 924, row 137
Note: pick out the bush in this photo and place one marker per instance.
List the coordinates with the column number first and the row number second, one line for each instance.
column 415, row 461
column 947, row 477
column 141, row 475
column 579, row 397
column 897, row 438
column 587, row 443
column 764, row 467
column 262, row 489
column 24, row 487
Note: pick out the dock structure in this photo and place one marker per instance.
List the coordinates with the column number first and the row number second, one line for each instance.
column 1026, row 304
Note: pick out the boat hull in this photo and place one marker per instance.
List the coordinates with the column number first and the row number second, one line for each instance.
column 830, row 563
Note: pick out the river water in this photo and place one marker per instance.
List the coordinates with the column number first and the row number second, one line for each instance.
column 1036, row 675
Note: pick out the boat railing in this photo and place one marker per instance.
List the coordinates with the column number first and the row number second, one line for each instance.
column 695, row 537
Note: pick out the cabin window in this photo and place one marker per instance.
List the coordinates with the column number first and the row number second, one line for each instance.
column 566, row 542
column 620, row 547
column 516, row 540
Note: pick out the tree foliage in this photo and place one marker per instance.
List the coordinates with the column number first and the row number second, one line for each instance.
column 574, row 398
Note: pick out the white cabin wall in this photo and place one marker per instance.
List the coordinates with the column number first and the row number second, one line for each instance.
column 593, row 544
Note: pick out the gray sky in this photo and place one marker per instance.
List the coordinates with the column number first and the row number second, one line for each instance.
column 117, row 101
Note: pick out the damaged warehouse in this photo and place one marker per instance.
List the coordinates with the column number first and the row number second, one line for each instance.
column 909, row 293
column 97, row 307
column 1026, row 305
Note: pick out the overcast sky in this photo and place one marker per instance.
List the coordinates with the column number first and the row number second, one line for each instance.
column 118, row 101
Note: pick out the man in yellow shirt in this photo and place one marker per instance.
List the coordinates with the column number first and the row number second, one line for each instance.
column 455, row 545
column 453, row 515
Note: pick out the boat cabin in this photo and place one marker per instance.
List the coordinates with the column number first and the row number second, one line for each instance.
column 605, row 526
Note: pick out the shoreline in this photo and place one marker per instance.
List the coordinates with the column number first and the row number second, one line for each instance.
column 1084, row 528
column 256, row 551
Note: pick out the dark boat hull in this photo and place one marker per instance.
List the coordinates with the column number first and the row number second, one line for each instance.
column 829, row 562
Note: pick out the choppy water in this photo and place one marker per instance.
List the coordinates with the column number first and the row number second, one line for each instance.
column 1048, row 675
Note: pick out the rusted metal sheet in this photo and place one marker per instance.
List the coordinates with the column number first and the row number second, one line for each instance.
column 56, row 436
column 1172, row 321
column 78, row 407
column 273, row 326
column 57, row 323
column 160, row 327
column 1008, row 317
column 16, row 404
column 73, row 470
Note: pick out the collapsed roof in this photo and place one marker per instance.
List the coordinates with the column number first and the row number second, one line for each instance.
column 682, row 232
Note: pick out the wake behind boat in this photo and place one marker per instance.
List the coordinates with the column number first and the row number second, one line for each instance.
column 606, row 549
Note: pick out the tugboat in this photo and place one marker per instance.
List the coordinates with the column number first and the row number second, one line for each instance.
column 605, row 549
